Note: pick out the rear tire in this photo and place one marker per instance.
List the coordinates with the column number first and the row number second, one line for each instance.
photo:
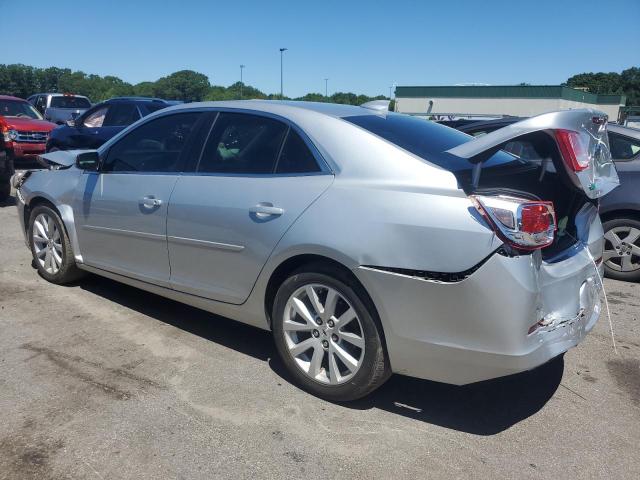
column 341, row 328
column 622, row 249
column 50, row 246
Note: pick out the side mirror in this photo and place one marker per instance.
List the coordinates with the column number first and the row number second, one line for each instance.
column 70, row 123
column 88, row 160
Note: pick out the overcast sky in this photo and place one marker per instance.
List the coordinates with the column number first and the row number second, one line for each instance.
column 361, row 46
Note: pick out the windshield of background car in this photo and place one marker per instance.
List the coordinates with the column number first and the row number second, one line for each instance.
column 69, row 102
column 426, row 139
column 14, row 108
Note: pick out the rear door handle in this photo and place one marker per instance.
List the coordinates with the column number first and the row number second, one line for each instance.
column 266, row 209
column 150, row 201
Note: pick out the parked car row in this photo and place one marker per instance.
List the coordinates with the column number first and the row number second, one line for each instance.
column 101, row 122
column 55, row 121
column 619, row 211
column 368, row 242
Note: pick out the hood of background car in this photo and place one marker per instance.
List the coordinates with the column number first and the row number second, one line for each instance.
column 27, row 124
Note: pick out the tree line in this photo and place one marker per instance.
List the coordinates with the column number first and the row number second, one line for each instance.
column 186, row 85
column 189, row 86
column 626, row 83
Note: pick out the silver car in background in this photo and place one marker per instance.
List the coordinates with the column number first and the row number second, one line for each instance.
column 60, row 107
column 368, row 242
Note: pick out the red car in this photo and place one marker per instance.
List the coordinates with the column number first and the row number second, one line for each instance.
column 24, row 132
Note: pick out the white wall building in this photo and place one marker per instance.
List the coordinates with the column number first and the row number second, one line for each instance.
column 516, row 100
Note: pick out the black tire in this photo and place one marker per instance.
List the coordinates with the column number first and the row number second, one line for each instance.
column 627, row 276
column 375, row 368
column 68, row 270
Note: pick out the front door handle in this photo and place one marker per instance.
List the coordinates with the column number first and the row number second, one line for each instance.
column 150, row 201
column 266, row 209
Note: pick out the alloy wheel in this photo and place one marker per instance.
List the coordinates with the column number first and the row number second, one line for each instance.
column 47, row 243
column 622, row 249
column 323, row 333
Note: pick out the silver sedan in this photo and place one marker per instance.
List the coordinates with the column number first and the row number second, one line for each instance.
column 368, row 242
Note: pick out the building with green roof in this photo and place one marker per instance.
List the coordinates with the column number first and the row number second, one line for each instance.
column 498, row 100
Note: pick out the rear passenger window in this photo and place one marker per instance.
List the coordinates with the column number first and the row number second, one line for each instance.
column 155, row 146
column 296, row 156
column 242, row 144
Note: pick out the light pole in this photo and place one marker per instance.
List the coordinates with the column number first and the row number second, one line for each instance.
column 241, row 84
column 326, row 89
column 282, row 50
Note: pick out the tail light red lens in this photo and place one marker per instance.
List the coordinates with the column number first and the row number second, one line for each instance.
column 537, row 217
column 522, row 223
column 573, row 150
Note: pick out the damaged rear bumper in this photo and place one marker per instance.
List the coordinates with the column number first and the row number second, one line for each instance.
column 511, row 315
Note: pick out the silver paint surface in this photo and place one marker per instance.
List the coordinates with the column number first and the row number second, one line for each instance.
column 380, row 205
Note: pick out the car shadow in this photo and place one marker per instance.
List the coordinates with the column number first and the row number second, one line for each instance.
column 8, row 202
column 483, row 408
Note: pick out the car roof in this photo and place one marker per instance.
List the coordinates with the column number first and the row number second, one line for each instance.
column 135, row 99
column 286, row 107
column 58, row 94
column 9, row 97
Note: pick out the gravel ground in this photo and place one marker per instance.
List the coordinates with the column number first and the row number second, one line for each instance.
column 100, row 380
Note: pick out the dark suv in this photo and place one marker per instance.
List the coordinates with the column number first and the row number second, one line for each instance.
column 101, row 122
column 619, row 210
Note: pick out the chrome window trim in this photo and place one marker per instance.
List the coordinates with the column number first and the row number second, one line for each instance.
column 325, row 167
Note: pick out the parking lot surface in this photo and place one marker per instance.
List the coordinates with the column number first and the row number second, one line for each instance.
column 100, row 380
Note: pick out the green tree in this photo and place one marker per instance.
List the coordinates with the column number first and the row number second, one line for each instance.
column 185, row 85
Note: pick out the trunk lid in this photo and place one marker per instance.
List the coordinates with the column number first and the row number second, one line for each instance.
column 579, row 135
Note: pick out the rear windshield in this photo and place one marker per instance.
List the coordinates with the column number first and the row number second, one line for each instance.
column 70, row 102
column 424, row 138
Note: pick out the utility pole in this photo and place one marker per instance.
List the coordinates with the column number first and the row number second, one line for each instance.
column 282, row 50
column 241, row 84
column 326, row 89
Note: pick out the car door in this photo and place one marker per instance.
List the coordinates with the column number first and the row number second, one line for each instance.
column 121, row 210
column 625, row 151
column 255, row 177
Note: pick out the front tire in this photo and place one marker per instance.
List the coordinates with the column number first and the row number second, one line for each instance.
column 50, row 246
column 327, row 335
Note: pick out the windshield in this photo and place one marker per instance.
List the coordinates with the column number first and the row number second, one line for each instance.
column 70, row 102
column 16, row 108
column 426, row 139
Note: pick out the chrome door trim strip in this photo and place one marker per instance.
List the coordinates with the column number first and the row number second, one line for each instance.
column 129, row 233
column 206, row 244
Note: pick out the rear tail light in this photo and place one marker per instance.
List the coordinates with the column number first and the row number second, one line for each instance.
column 573, row 149
column 523, row 224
